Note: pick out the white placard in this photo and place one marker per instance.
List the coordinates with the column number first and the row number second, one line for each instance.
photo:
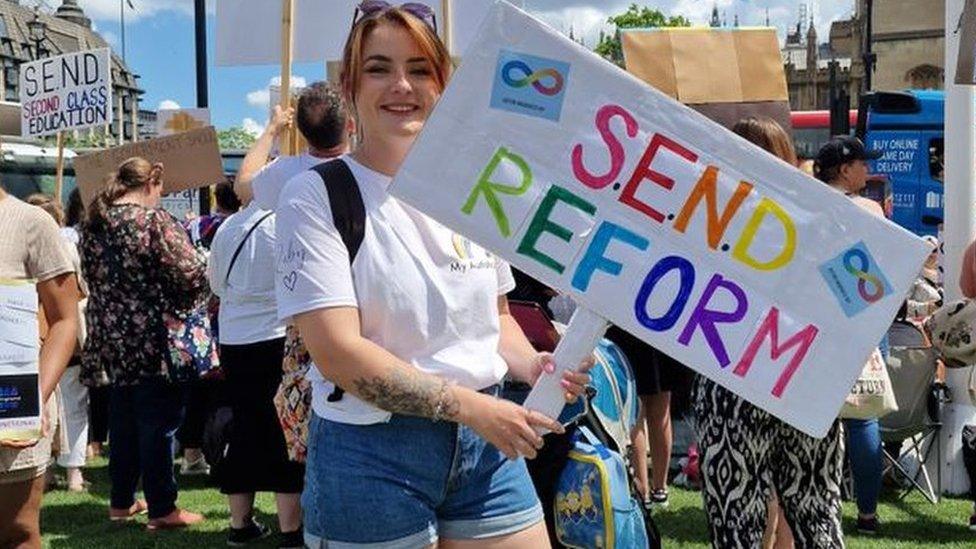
column 67, row 92
column 249, row 31
column 182, row 204
column 660, row 220
column 20, row 393
column 173, row 121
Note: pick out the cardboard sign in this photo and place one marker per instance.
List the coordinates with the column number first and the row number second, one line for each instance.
column 659, row 220
column 173, row 121
column 181, row 204
column 190, row 160
column 66, row 92
column 249, row 31
column 20, row 392
column 726, row 74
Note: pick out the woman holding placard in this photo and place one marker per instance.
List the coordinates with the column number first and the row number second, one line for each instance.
column 31, row 252
column 747, row 455
column 418, row 442
column 143, row 274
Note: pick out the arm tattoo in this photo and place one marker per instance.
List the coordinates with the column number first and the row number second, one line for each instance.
column 412, row 393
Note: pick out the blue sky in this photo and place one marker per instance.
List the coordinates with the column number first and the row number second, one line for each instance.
column 159, row 43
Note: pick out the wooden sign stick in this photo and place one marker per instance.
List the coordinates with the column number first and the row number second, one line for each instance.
column 287, row 49
column 447, row 30
column 59, row 173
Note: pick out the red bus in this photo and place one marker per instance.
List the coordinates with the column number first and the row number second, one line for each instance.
column 811, row 129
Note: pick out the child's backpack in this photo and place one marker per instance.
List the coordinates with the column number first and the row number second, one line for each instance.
column 594, row 506
column 595, row 503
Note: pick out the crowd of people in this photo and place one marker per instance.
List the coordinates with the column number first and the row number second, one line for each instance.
column 361, row 372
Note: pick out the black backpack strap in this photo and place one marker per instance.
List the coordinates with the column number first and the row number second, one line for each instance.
column 240, row 246
column 348, row 210
column 348, row 215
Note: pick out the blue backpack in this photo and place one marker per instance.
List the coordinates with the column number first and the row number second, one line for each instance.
column 594, row 507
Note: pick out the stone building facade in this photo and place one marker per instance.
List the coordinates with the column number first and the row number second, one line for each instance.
column 907, row 39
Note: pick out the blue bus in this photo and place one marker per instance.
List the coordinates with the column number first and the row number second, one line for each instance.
column 907, row 127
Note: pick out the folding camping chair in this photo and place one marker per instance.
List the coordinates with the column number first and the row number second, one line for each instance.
column 917, row 423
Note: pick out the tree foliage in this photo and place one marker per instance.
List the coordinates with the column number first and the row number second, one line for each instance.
column 636, row 17
column 235, row 137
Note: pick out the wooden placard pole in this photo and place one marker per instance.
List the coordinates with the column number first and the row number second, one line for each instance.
column 447, row 31
column 287, row 49
column 135, row 119
column 3, row 82
column 121, row 121
column 59, row 173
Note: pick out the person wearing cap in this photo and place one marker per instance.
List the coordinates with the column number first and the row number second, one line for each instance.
column 842, row 163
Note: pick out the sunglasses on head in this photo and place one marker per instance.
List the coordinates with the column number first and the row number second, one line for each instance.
column 368, row 8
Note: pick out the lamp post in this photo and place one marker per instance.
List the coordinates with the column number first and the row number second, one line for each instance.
column 37, row 30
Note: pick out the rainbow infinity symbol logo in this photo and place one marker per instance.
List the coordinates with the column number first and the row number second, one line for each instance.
column 530, row 85
column 861, row 271
column 537, row 79
column 855, row 279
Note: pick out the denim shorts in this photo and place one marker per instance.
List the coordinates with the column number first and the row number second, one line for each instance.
column 408, row 482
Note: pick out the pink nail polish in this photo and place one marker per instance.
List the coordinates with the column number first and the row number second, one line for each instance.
column 565, row 384
column 549, row 367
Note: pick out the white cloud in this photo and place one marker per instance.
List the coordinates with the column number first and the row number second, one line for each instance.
column 588, row 16
column 167, row 104
column 252, row 126
column 585, row 22
column 259, row 98
column 262, row 98
column 108, row 10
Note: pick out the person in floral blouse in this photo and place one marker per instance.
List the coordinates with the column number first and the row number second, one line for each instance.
column 144, row 278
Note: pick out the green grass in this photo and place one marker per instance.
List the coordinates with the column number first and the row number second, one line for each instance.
column 80, row 520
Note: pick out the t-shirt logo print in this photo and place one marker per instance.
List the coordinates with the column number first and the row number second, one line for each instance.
column 469, row 256
column 855, row 279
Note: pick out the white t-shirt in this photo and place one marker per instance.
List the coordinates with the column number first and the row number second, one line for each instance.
column 248, row 313
column 424, row 293
column 270, row 180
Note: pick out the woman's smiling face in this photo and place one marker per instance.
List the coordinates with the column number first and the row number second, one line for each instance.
column 397, row 87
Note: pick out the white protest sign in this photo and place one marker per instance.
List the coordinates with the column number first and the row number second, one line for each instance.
column 659, row 220
column 173, row 121
column 181, row 203
column 20, row 393
column 66, row 92
column 249, row 31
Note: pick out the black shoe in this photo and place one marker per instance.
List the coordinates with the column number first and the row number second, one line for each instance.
column 868, row 527
column 242, row 536
column 290, row 540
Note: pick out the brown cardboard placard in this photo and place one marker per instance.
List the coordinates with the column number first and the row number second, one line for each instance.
column 709, row 65
column 190, row 160
column 649, row 58
column 760, row 66
column 712, row 77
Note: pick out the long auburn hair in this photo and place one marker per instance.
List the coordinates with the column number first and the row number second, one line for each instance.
column 769, row 135
column 131, row 174
column 425, row 37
